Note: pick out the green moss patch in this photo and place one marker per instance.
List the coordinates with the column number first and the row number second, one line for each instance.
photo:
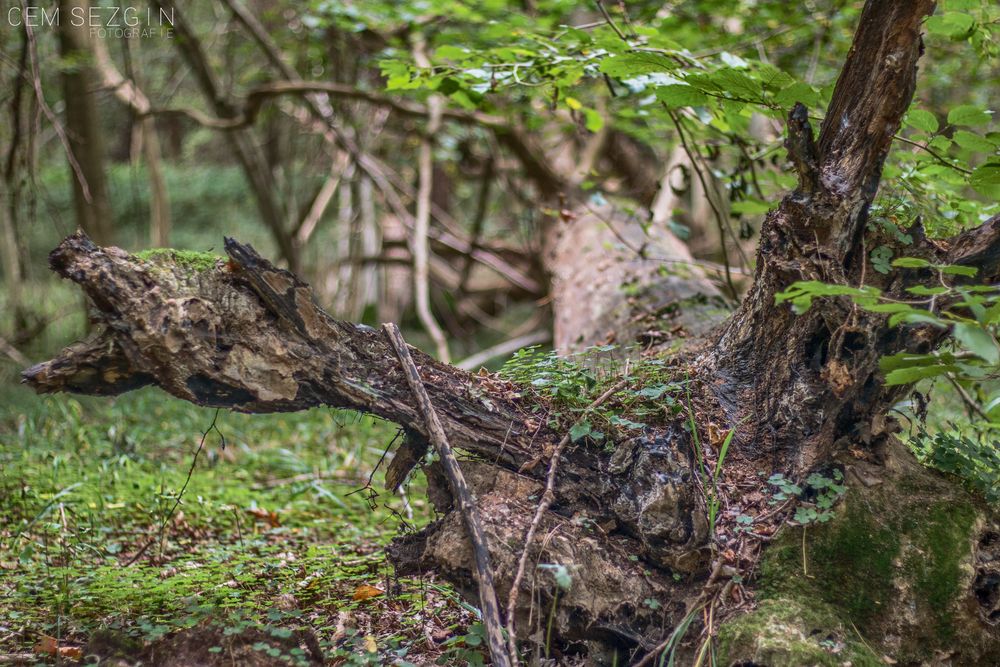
column 890, row 566
column 784, row 632
column 191, row 260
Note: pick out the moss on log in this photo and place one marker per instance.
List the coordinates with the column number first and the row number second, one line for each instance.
column 908, row 569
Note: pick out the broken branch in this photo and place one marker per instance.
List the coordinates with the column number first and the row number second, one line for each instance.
column 466, row 503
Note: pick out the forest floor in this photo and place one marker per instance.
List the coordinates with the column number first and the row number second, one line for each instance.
column 273, row 556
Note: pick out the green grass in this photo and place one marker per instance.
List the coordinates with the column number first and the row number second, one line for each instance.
column 267, row 538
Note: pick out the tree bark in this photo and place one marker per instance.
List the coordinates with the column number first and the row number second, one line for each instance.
column 910, row 566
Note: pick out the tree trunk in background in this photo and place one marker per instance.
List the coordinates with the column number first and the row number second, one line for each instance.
column 615, row 282
column 80, row 83
column 144, row 133
column 248, row 153
column 12, row 277
column 159, row 198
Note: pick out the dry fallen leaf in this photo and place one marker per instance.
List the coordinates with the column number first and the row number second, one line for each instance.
column 364, row 591
column 71, row 652
column 370, row 644
column 271, row 518
column 50, row 646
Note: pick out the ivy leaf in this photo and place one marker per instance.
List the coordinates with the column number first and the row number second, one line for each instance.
column 653, row 392
column 880, row 257
column 978, row 341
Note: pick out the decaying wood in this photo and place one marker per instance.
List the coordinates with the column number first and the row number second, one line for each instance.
column 248, row 336
column 810, row 379
column 466, row 502
column 548, row 497
column 615, row 282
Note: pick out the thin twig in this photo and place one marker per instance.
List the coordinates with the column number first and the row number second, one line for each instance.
column 422, row 218
column 12, row 352
column 463, row 498
column 548, row 496
column 610, row 21
column 937, row 156
column 180, row 495
column 970, row 402
column 720, row 219
column 36, row 82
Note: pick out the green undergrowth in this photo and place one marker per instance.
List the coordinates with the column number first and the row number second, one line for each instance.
column 892, row 563
column 564, row 388
column 276, row 533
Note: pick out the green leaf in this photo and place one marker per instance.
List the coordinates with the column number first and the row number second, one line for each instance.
column 921, row 290
column 978, row 341
column 653, row 392
column 888, row 308
column 797, row 92
column 922, row 120
column 736, row 83
column 958, row 270
column 750, row 207
column 985, row 179
column 973, row 142
column 628, row 65
column 950, row 24
column 917, row 373
column 916, row 317
column 451, row 52
column 592, row 120
column 968, row 114
column 910, row 263
column 579, row 430
column 681, row 95
column 880, row 257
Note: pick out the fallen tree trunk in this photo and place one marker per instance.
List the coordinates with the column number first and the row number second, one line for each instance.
column 629, row 526
column 650, row 542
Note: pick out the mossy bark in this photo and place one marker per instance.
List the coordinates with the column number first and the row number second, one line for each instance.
column 907, row 569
